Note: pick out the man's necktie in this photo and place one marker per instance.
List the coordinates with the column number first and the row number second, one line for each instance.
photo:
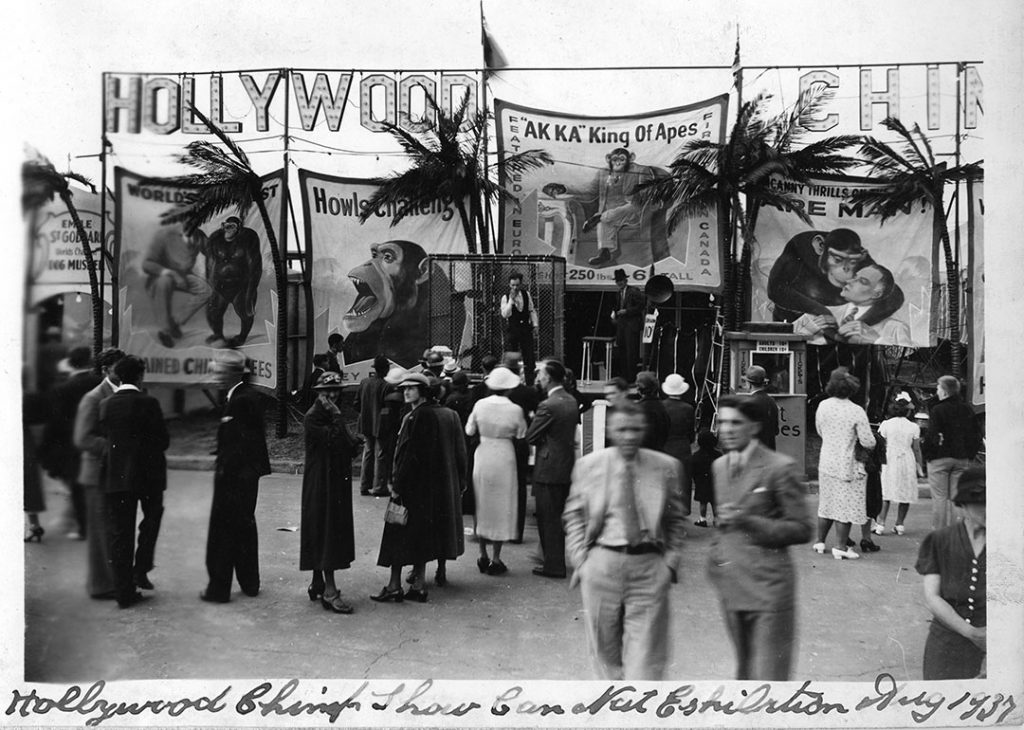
column 734, row 466
column 850, row 316
column 632, row 521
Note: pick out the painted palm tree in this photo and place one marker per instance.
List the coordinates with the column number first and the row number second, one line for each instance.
column 40, row 183
column 226, row 180
column 708, row 175
column 909, row 176
column 449, row 166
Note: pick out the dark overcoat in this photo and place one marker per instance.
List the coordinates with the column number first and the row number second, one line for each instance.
column 326, row 538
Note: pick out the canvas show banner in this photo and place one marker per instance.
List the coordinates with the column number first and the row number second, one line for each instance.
column 57, row 255
column 183, row 297
column 583, row 208
column 847, row 277
column 371, row 281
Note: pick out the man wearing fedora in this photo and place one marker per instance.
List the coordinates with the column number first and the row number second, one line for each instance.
column 756, row 379
column 952, row 563
column 629, row 322
column 232, row 545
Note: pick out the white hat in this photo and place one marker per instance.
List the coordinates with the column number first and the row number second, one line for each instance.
column 675, row 384
column 501, row 378
column 451, row 365
column 395, row 375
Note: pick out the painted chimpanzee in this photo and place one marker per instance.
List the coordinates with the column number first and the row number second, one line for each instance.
column 810, row 273
column 234, row 267
column 389, row 314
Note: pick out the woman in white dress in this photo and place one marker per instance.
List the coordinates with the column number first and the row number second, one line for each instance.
column 902, row 464
column 842, row 480
column 499, row 422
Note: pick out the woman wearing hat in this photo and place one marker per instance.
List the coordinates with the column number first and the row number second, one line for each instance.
column 952, row 562
column 415, row 543
column 327, row 541
column 679, row 442
column 499, row 422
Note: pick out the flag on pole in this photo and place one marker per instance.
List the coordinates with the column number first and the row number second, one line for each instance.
column 736, row 67
column 494, row 58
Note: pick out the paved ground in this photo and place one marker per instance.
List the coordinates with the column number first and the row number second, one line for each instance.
column 856, row 618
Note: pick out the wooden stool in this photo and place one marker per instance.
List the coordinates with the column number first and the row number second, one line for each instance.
column 587, row 365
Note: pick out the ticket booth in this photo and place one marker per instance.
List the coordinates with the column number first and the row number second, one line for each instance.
column 783, row 355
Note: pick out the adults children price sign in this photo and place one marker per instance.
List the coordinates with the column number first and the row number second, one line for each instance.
column 584, row 207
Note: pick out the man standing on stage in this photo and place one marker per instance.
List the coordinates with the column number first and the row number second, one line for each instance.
column 232, row 546
column 628, row 317
column 553, row 432
column 761, row 511
column 521, row 316
column 137, row 438
column 623, row 531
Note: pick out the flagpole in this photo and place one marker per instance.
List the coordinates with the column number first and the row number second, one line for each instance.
column 486, row 204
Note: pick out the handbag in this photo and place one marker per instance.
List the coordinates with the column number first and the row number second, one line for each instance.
column 396, row 514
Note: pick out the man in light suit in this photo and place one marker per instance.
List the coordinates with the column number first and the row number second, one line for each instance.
column 90, row 441
column 624, row 531
column 761, row 510
column 553, row 432
column 136, row 475
column 232, row 545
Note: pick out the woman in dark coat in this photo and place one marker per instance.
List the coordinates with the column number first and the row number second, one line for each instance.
column 413, row 486
column 327, row 542
column 679, row 442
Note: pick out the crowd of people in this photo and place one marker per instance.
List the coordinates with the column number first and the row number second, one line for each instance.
column 441, row 449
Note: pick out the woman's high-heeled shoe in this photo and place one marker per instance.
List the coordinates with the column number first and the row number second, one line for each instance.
column 416, row 594
column 315, row 591
column 818, row 547
column 497, row 568
column 334, row 603
column 483, row 563
column 386, row 595
column 35, row 534
column 867, row 546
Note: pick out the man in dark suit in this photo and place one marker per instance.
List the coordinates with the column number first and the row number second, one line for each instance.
column 553, row 432
column 57, row 452
column 232, row 545
column 624, row 530
column 136, row 475
column 756, row 379
column 761, row 510
column 369, row 401
column 90, row 441
column 629, row 322
column 307, row 395
column 527, row 398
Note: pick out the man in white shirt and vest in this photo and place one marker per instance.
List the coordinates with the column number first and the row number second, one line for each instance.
column 519, row 313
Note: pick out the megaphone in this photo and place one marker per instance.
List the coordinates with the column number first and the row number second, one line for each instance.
column 658, row 289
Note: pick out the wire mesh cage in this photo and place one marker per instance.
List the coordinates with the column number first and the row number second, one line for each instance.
column 465, row 296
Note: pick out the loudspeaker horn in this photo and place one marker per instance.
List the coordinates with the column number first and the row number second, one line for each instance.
column 658, row 289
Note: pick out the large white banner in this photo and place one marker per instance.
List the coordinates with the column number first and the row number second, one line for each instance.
column 847, row 277
column 370, row 281
column 182, row 297
column 583, row 206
